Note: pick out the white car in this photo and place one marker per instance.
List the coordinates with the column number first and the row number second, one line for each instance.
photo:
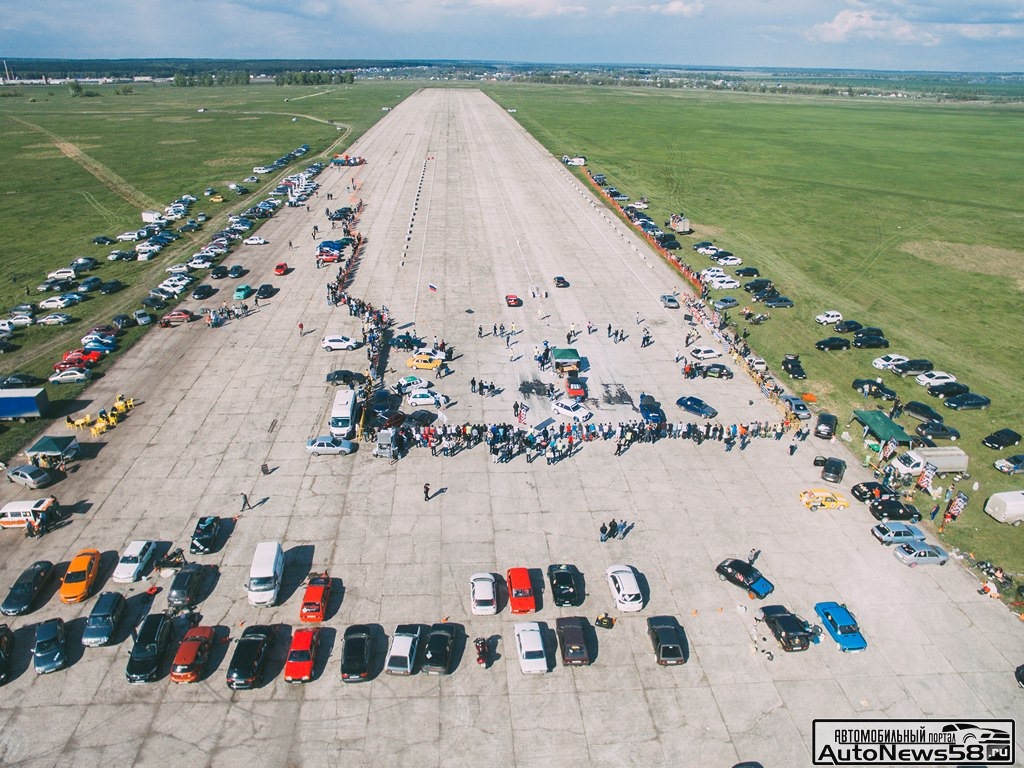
column 724, row 283
column 133, row 561
column 757, row 364
column 530, row 648
column 934, row 378
column 829, row 317
column 624, row 587
column 70, row 376
column 885, row 362
column 409, row 384
column 426, row 397
column 200, row 262
column 712, row 272
column 127, row 237
column 57, row 318
column 729, row 261
column 704, row 353
column 21, row 320
column 255, row 240
column 178, row 269
column 333, row 343
column 483, row 594
column 330, row 445
column 55, row 302
column 570, row 410
column 174, row 288
column 708, row 250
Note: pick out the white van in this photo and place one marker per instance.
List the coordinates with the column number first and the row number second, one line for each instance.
column 1006, row 507
column 343, row 414
column 17, row 514
column 265, row 574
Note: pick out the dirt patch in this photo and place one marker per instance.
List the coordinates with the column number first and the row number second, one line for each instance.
column 999, row 262
column 220, row 162
column 177, row 141
column 702, row 231
column 42, row 155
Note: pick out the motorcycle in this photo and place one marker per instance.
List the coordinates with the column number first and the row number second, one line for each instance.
column 481, row 650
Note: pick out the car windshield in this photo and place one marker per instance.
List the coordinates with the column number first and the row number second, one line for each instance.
column 74, row 577
column 521, row 593
column 130, row 560
column 261, row 584
column 98, row 622
column 144, row 650
column 300, row 656
column 21, row 588
column 47, row 646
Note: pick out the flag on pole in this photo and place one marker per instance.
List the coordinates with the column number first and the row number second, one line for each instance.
column 432, row 287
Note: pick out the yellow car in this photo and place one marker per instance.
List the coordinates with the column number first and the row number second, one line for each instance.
column 80, row 577
column 822, row 497
column 424, row 361
column 216, row 198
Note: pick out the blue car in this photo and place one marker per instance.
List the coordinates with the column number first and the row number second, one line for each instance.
column 842, row 626
column 650, row 410
column 697, row 407
column 746, row 576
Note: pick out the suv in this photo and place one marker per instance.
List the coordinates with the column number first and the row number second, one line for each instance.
column 668, row 640
column 151, row 643
column 791, row 364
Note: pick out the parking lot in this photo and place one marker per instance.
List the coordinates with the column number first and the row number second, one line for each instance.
column 456, row 195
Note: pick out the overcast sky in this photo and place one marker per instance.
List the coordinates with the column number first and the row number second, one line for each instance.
column 944, row 35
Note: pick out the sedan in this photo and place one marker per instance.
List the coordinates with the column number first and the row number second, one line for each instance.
column 1011, row 465
column 250, row 656
column 426, row 397
column 202, row 292
column 832, row 343
column 483, row 594
column 725, row 283
column 570, row 410
column 243, row 291
column 914, row 553
column 1002, row 438
column 184, row 590
column 888, row 361
column 668, row 301
column 56, row 302
column 874, row 389
column 301, row 659
column 936, row 430
column 625, row 588
column 513, row 301
column 921, row 411
column 697, row 407
column 970, row 401
column 871, row 491
column 847, row 326
column 265, row 291
column 896, row 533
column 437, row 656
column 179, row 316
column 871, row 342
column 133, row 562
column 255, row 240
column 716, row 371
column 530, row 648
column 893, row 509
column 779, row 302
column 18, row 379
column 236, row 271
column 841, row 626
column 566, row 586
column 21, row 320
column 80, row 576
column 219, row 272
column 192, row 655
column 748, row 272
column 913, row 367
column 329, row 444
column 343, row 376
column 948, row 389
column 401, row 659
column 726, row 302
column 104, row 619
column 746, row 576
column 26, row 589
column 728, row 261
column 704, row 353
column 49, row 652
column 409, row 384
column 357, row 653
column 56, row 318
column 334, row 343
column 30, row 476
column 572, row 640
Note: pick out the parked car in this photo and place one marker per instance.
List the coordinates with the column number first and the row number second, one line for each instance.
column 405, row 642
column 948, row 389
column 936, row 430
column 483, row 594
column 817, row 498
column 202, row 292
column 624, row 587
column 779, row 302
column 847, row 326
column 668, row 640
column 1011, row 465
column 104, row 619
column 893, row 509
column 27, row 588
column 833, row 470
column 438, row 649
column 969, row 401
column 151, row 643
column 841, row 626
column 242, row 292
column 871, row 342
column 913, row 367
column 792, row 633
column 49, row 653
column 265, row 291
column 334, row 343
column 832, row 343
column 30, row 476
column 826, row 425
column 185, row 587
column 791, row 364
column 566, row 584
column 55, row 318
column 887, row 361
column 570, row 409
column 330, row 445
column 179, row 316
column 80, row 576
column 872, row 491
column 744, row 575
column 716, row 371
column 530, row 648
column 896, row 533
column 249, row 659
column 874, row 389
column 1002, row 438
column 520, row 591
column 300, row 662
column 192, row 655
column 704, row 353
column 316, row 598
column 915, row 553
column 137, row 555
column 697, row 407
column 922, row 411
column 572, row 640
column 829, row 317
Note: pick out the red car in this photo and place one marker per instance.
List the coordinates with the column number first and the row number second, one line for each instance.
column 302, row 655
column 192, row 655
column 107, row 330
column 178, row 316
column 72, row 362
column 520, row 591
column 330, row 257
column 80, row 354
column 513, row 301
column 574, row 386
column 316, row 598
column 281, row 269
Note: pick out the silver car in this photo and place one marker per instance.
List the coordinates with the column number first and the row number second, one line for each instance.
column 30, row 476
column 896, row 533
column 328, row 444
column 914, row 553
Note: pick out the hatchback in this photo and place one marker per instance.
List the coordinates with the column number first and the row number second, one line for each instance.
column 624, row 587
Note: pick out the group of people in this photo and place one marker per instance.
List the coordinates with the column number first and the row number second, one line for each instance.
column 615, row 529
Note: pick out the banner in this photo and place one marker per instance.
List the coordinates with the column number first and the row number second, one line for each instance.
column 957, row 505
column 889, row 449
column 927, row 475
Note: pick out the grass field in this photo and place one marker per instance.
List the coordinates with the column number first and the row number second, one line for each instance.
column 909, row 216
column 79, row 167
column 905, row 215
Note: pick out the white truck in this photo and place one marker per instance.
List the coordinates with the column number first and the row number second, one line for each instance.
column 946, row 459
column 1006, row 507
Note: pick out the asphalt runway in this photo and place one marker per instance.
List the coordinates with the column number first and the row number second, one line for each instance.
column 457, row 195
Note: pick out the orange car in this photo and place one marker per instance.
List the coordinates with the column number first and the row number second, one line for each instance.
column 80, row 577
column 192, row 655
column 520, row 591
column 316, row 598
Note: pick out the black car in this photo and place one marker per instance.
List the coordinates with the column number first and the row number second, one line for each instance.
column 236, row 271
column 50, row 650
column 716, row 371
column 766, row 295
column 565, row 584
column 870, row 342
column 572, row 640
column 204, row 537
column 748, row 272
column 561, row 282
column 104, row 619
column 152, row 302
column 791, row 364
column 250, row 657
column 833, row 470
column 948, row 389
column 832, row 343
column 265, row 291
column 26, row 589
column 122, row 321
column 406, row 341
column 19, row 379
column 437, row 658
column 6, row 652
column 779, row 302
column 151, row 642
column 744, row 575
column 219, row 272
column 872, row 491
column 847, row 326
column 875, row 389
column 103, row 240
column 344, row 377
column 936, row 430
column 668, row 640
column 867, row 330
column 969, row 401
column 1002, row 438
column 892, row 509
column 357, row 651
column 792, row 632
column 755, row 286
column 921, row 411
column 111, row 286
column 184, row 591
column 381, row 401
column 825, row 427
column 912, row 367
column 203, row 291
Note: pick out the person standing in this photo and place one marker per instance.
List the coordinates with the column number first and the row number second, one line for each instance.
column 638, row 318
column 245, row 502
column 613, row 528
column 300, row 329
column 604, row 533
column 609, row 330
column 472, row 384
column 426, row 491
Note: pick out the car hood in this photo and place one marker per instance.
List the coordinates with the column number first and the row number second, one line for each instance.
column 761, row 587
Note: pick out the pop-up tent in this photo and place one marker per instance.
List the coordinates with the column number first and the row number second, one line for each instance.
column 57, row 448
column 882, row 427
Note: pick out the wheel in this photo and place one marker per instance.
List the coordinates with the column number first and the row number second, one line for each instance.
column 815, row 508
column 720, row 576
column 315, row 453
column 842, row 506
column 943, row 562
